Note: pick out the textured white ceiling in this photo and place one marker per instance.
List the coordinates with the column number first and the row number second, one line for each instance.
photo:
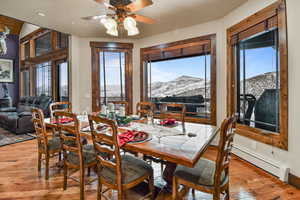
column 65, row 15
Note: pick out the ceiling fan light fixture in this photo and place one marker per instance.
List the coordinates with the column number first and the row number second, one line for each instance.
column 130, row 26
column 133, row 31
column 113, row 32
column 111, row 26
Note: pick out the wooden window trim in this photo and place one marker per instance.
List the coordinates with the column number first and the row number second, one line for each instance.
column 280, row 139
column 55, row 55
column 96, row 47
column 207, row 39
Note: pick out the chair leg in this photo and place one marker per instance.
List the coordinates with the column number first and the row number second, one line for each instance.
column 89, row 171
column 39, row 163
column 121, row 195
column 175, row 187
column 47, row 166
column 65, row 176
column 227, row 193
column 216, row 195
column 99, row 192
column 193, row 194
column 59, row 156
column 161, row 168
column 151, row 186
column 82, row 182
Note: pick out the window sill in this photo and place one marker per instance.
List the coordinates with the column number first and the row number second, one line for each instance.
column 270, row 138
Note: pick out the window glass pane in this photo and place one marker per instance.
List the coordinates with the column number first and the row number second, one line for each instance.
column 183, row 80
column 43, row 79
column 258, row 77
column 43, row 44
column 25, row 82
column 62, row 40
column 27, row 50
column 112, row 76
column 63, row 80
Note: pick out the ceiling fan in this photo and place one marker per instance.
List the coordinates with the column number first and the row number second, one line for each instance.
column 123, row 15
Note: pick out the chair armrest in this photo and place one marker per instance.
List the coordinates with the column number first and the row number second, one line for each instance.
column 23, row 114
column 8, row 109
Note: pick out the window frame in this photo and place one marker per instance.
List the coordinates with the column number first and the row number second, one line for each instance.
column 277, row 10
column 55, row 55
column 96, row 48
column 207, row 40
column 57, row 86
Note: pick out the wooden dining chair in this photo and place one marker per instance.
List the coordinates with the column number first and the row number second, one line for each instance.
column 121, row 103
column 121, row 172
column 60, row 106
column 175, row 111
column 48, row 145
column 209, row 176
column 144, row 108
column 76, row 155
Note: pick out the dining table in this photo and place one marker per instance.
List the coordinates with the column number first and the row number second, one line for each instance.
column 169, row 144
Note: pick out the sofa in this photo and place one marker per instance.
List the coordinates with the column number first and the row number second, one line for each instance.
column 18, row 119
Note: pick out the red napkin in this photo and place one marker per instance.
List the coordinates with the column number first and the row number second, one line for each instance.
column 168, row 122
column 62, row 120
column 126, row 137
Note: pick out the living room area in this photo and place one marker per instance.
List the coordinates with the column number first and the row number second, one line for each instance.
column 31, row 58
column 149, row 99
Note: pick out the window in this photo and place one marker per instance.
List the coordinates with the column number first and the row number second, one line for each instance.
column 112, row 73
column 258, row 81
column 112, row 76
column 62, row 40
column 258, row 76
column 43, row 44
column 182, row 72
column 25, row 77
column 43, row 79
column 27, row 50
column 63, row 81
column 182, row 80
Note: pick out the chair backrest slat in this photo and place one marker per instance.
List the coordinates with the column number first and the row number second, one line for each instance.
column 145, row 108
column 106, row 142
column 40, row 127
column 122, row 103
column 224, row 148
column 60, row 106
column 69, row 134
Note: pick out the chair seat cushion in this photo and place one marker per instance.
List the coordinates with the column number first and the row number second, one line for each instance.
column 132, row 169
column 54, row 144
column 89, row 155
column 202, row 174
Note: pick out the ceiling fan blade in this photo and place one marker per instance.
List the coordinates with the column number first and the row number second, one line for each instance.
column 107, row 5
column 94, row 17
column 138, row 5
column 141, row 18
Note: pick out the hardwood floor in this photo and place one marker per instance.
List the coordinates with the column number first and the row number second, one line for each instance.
column 19, row 180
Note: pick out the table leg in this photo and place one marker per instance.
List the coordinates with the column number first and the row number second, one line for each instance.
column 168, row 175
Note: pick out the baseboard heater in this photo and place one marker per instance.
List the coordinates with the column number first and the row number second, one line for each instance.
column 272, row 167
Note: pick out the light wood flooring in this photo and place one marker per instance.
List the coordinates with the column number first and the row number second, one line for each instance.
column 19, row 180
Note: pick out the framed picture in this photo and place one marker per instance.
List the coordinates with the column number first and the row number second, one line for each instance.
column 6, row 71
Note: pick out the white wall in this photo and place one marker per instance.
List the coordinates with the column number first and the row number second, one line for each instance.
column 27, row 28
column 82, row 83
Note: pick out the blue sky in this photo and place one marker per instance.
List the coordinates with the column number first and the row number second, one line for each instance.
column 258, row 61
column 164, row 71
